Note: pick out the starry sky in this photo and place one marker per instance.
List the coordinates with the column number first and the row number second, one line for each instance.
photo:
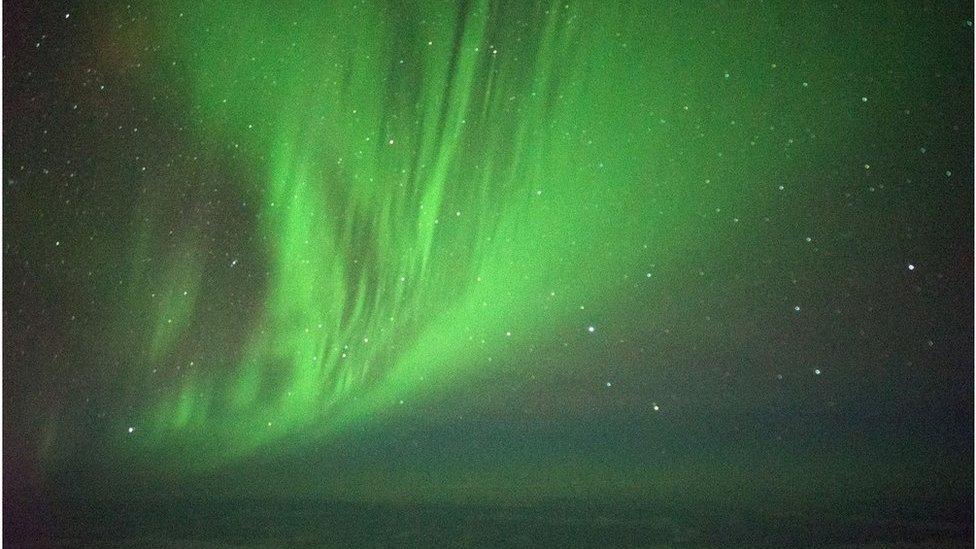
column 701, row 254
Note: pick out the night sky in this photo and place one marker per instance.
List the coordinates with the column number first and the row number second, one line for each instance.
column 706, row 261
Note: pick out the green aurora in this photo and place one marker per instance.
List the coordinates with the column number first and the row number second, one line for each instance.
column 433, row 189
column 701, row 253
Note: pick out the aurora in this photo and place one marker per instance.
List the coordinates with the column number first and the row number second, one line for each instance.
column 429, row 181
column 604, row 273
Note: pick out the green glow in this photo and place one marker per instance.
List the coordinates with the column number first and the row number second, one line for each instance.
column 597, row 272
column 434, row 186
